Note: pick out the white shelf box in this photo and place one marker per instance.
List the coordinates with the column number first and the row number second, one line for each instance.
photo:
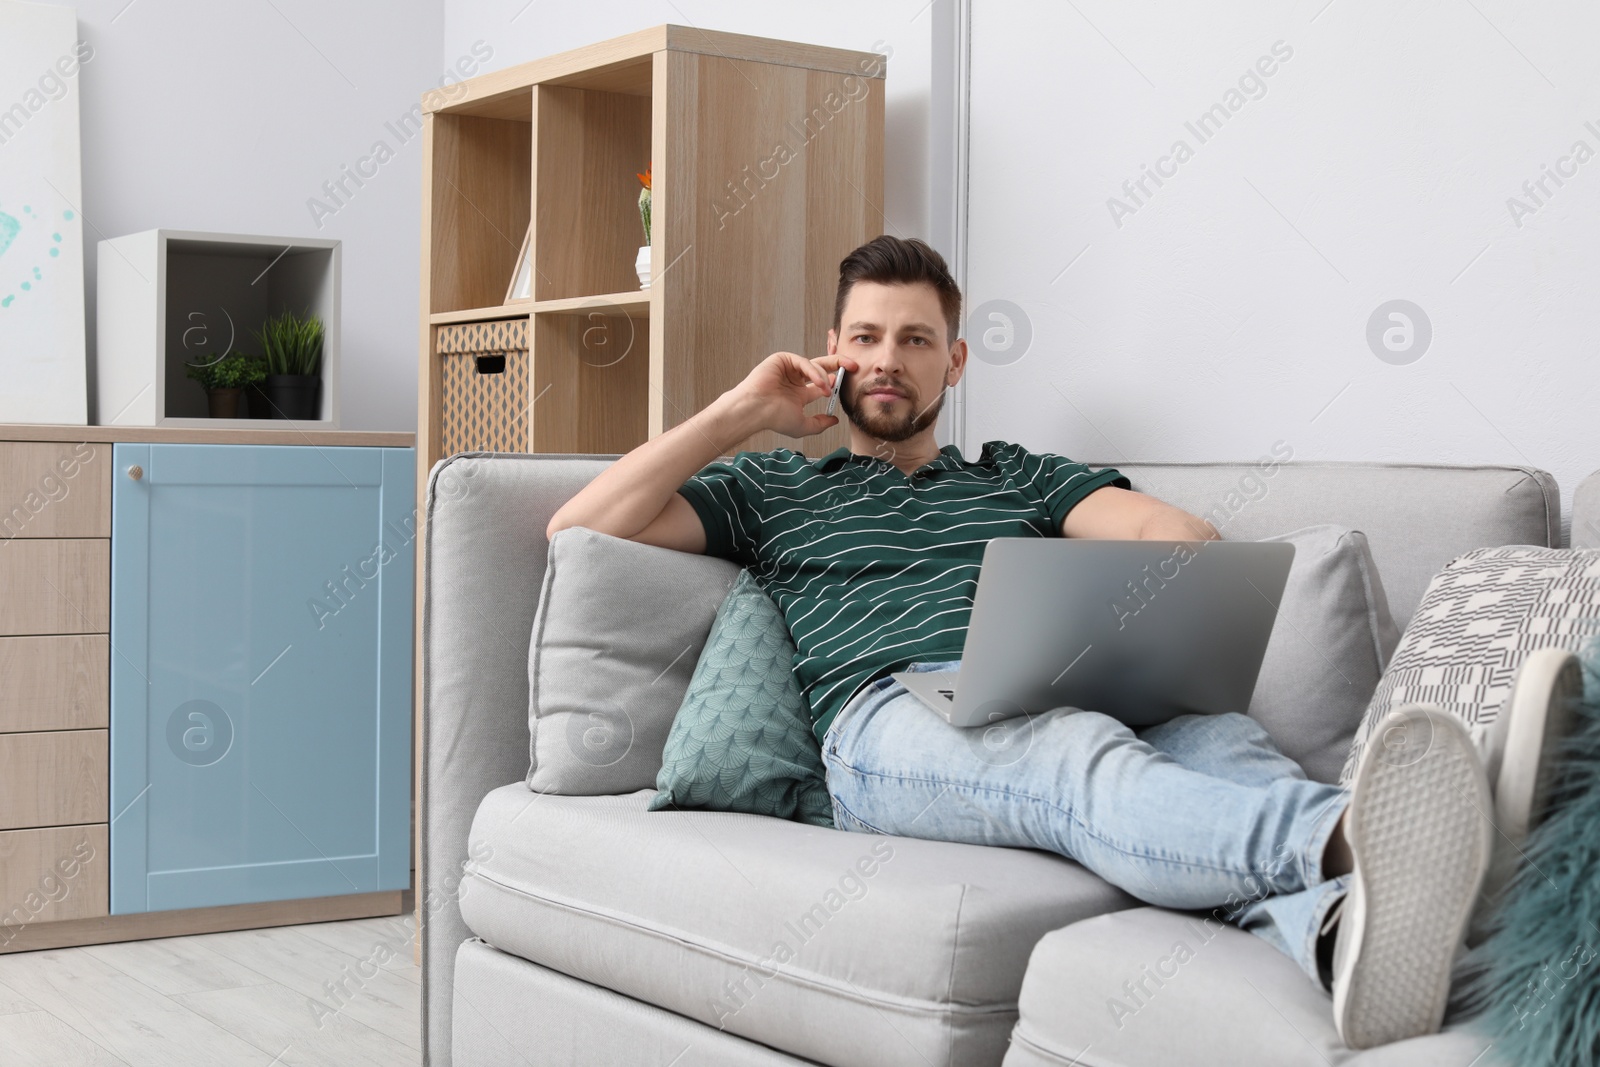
column 171, row 297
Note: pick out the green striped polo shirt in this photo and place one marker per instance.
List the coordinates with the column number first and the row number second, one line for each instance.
column 874, row 569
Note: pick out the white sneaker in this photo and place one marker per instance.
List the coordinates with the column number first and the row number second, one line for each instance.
column 1519, row 757
column 1419, row 832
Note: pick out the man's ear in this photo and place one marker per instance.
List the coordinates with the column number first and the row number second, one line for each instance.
column 958, row 362
column 833, row 342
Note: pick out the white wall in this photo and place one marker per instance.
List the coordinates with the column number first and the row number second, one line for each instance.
column 1230, row 309
column 1227, row 311
column 230, row 117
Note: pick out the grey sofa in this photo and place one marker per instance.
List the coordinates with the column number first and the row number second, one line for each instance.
column 586, row 931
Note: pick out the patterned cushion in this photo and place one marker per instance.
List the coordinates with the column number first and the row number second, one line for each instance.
column 742, row 739
column 1479, row 619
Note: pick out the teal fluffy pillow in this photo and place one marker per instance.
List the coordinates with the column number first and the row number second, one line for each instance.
column 1537, row 975
column 742, row 738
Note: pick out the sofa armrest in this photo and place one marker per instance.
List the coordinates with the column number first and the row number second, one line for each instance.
column 485, row 551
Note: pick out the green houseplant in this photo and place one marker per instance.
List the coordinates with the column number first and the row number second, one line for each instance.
column 224, row 378
column 291, row 344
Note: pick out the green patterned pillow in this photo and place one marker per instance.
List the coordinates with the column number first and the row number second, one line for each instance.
column 742, row 739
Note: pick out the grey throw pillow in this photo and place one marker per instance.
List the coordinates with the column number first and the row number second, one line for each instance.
column 1333, row 637
column 616, row 637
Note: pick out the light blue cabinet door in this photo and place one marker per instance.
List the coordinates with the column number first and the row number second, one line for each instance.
column 261, row 633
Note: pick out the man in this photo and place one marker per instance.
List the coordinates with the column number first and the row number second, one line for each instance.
column 872, row 553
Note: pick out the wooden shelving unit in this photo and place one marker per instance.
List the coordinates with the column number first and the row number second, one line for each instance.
column 767, row 169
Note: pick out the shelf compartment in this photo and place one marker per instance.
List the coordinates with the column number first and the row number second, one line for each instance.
column 587, row 233
column 591, row 379
column 480, row 192
column 172, row 297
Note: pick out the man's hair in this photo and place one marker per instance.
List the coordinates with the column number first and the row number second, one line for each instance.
column 894, row 261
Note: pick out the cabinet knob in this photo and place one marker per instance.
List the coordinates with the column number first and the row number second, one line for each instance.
column 136, row 472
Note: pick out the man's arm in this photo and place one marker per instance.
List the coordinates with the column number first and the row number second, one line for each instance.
column 1123, row 514
column 637, row 496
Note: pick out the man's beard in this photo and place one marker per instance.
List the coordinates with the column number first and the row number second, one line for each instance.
column 886, row 425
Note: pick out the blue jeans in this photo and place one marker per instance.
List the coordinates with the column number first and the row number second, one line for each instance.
column 1200, row 813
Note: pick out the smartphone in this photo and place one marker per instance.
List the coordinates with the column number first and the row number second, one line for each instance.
column 838, row 380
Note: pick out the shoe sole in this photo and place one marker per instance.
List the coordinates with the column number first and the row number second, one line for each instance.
column 1418, row 826
column 1547, row 685
column 1540, row 711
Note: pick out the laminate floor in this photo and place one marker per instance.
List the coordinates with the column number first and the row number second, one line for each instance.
column 344, row 994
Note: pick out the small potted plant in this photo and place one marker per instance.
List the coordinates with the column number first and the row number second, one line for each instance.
column 642, row 264
column 224, row 378
column 292, row 347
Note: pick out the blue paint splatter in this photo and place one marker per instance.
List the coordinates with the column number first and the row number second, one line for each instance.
column 5, row 302
column 55, row 252
column 56, row 237
column 8, row 231
column 36, row 273
column 27, row 285
column 67, row 215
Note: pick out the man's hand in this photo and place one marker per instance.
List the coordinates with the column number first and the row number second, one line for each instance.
column 777, row 390
column 636, row 497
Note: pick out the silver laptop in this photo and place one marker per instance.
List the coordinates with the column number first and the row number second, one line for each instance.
column 1140, row 630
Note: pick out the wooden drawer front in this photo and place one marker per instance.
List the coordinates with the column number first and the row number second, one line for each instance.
column 55, row 489
column 54, row 683
column 53, row 779
column 55, row 587
column 46, row 875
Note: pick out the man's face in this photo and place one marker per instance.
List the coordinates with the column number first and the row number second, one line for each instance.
column 897, row 335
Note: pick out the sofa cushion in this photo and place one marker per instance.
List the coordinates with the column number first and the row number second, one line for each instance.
column 510, row 1011
column 1477, row 622
column 1332, row 637
column 742, row 740
column 619, row 629
column 1151, row 987
column 838, row 947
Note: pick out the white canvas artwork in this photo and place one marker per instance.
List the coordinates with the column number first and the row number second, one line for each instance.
column 42, row 363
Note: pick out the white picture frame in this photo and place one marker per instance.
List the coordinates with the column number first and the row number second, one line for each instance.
column 521, row 287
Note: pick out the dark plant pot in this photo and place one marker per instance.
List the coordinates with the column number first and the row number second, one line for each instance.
column 292, row 396
column 256, row 402
column 224, row 403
